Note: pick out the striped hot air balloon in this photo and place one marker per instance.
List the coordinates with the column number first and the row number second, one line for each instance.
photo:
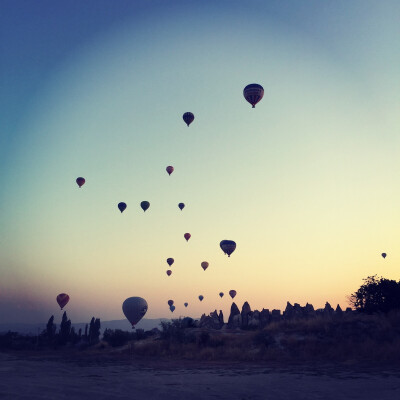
column 253, row 93
column 228, row 246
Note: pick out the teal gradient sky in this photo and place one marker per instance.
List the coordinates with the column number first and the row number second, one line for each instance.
column 307, row 183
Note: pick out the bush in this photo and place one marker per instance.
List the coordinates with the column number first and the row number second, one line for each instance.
column 116, row 338
column 376, row 295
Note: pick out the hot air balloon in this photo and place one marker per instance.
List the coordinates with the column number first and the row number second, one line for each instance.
column 221, row 294
column 170, row 261
column 384, row 255
column 80, row 181
column 186, row 304
column 253, row 93
column 134, row 309
column 187, row 236
column 170, row 169
column 170, row 302
column 232, row 293
column 188, row 117
column 145, row 205
column 122, row 207
column 228, row 246
column 62, row 300
column 169, row 272
column 201, row 298
column 204, row 265
column 181, row 206
column 172, row 308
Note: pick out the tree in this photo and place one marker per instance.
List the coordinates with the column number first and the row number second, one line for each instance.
column 51, row 329
column 65, row 329
column 94, row 330
column 376, row 295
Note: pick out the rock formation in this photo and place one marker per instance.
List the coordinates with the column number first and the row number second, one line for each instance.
column 235, row 319
column 212, row 321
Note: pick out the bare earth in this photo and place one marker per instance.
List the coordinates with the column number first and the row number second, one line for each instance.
column 27, row 377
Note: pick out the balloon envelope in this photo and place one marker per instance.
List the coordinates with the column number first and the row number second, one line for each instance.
column 170, row 302
column 145, row 205
column 181, row 206
column 221, row 294
column 169, row 272
column 80, row 181
column 204, row 265
column 121, row 207
column 253, row 93
column 232, row 293
column 187, row 236
column 172, row 308
column 170, row 261
column 228, row 246
column 134, row 309
column 170, row 169
column 201, row 298
column 62, row 300
column 384, row 255
column 186, row 304
column 188, row 117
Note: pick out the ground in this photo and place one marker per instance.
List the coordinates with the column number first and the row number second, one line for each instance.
column 69, row 377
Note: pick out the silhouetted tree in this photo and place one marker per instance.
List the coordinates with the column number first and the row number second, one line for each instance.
column 51, row 329
column 376, row 295
column 65, row 329
column 94, row 330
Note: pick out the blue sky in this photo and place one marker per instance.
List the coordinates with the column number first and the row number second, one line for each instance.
column 306, row 183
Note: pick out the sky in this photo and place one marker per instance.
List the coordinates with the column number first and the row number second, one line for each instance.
column 306, row 184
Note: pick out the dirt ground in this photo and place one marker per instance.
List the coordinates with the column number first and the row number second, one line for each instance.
column 33, row 377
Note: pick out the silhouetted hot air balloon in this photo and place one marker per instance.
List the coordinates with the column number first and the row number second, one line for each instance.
column 170, row 169
column 186, row 304
column 170, row 302
column 187, row 236
column 170, row 261
column 204, row 265
column 232, row 293
column 145, row 205
column 80, row 181
column 221, row 294
column 62, row 300
column 172, row 308
column 384, row 255
column 253, row 93
column 181, row 206
column 201, row 298
column 169, row 272
column 228, row 246
column 188, row 117
column 122, row 207
column 134, row 309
